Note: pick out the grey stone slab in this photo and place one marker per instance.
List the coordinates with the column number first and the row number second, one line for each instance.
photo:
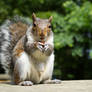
column 65, row 86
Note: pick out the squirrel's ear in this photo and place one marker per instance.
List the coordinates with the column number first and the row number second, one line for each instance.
column 33, row 16
column 50, row 19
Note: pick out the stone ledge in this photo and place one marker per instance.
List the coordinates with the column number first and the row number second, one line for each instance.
column 4, row 77
column 65, row 86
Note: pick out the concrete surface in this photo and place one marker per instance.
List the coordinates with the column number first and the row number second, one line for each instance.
column 65, row 86
column 4, row 77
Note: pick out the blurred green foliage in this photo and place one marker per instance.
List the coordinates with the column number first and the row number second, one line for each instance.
column 72, row 26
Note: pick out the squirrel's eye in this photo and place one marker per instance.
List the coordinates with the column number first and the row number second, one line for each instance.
column 34, row 24
column 49, row 26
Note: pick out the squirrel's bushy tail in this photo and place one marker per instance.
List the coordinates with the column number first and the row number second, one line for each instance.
column 10, row 32
column 5, row 56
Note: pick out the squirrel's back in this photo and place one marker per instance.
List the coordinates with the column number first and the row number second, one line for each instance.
column 10, row 32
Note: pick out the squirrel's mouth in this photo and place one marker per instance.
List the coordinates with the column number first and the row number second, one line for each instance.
column 42, row 38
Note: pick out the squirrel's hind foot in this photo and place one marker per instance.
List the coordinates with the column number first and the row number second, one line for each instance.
column 26, row 83
column 55, row 81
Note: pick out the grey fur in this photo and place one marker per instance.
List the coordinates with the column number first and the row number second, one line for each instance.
column 5, row 56
column 5, row 41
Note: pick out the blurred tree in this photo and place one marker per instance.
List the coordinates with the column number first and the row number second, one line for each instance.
column 72, row 26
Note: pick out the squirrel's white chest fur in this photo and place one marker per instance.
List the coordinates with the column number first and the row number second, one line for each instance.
column 39, row 56
column 38, row 60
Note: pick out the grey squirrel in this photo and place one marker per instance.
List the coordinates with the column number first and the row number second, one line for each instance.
column 27, row 51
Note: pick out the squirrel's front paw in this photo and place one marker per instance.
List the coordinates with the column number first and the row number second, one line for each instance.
column 26, row 83
column 46, row 46
column 40, row 46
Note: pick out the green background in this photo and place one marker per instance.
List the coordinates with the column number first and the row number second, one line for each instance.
column 72, row 26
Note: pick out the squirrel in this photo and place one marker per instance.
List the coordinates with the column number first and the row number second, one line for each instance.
column 27, row 51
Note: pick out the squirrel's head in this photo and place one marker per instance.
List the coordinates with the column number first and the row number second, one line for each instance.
column 41, row 27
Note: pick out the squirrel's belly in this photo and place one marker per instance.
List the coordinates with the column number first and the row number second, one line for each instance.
column 38, row 77
column 37, row 73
